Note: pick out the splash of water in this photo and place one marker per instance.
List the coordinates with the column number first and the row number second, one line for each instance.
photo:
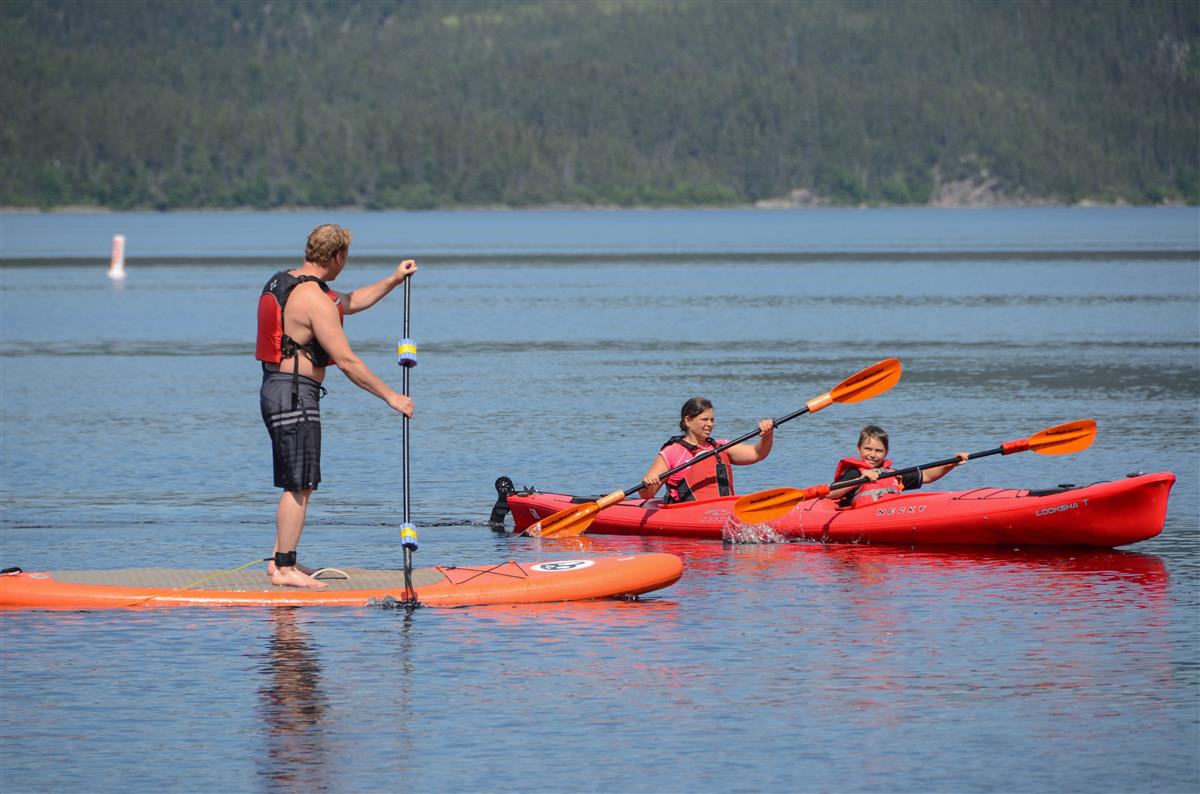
column 735, row 531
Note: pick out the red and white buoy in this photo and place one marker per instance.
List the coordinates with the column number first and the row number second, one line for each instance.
column 116, row 268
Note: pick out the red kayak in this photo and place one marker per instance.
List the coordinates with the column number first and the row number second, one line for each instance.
column 1103, row 515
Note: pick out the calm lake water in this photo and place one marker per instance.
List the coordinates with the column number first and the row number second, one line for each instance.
column 556, row 348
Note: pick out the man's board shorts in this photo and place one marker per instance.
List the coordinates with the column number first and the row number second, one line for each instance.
column 292, row 413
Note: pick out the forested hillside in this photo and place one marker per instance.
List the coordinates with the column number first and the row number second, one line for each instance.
column 416, row 105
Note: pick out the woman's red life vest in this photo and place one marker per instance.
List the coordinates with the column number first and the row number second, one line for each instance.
column 708, row 479
column 884, row 485
column 273, row 345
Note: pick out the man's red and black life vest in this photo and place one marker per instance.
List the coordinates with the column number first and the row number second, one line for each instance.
column 273, row 344
column 884, row 485
column 708, row 479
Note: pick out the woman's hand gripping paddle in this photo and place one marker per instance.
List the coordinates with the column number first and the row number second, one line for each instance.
column 872, row 381
column 764, row 506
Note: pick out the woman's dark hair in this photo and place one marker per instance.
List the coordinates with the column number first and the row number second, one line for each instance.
column 875, row 432
column 691, row 409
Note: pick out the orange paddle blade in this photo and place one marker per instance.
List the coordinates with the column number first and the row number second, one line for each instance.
column 1063, row 439
column 871, row 382
column 764, row 506
column 1057, row 440
column 573, row 520
column 565, row 523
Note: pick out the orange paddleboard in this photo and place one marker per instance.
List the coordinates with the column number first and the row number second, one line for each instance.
column 442, row 586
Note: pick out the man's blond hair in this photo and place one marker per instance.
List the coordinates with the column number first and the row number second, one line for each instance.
column 325, row 242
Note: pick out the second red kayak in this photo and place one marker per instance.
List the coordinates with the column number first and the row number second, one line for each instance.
column 1103, row 515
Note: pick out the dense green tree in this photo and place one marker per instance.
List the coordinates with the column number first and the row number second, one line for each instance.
column 223, row 103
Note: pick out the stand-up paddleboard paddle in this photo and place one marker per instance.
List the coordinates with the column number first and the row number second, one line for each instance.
column 406, row 357
column 872, row 381
column 763, row 506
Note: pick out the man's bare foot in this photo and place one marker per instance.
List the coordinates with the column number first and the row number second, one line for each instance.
column 291, row 577
column 304, row 569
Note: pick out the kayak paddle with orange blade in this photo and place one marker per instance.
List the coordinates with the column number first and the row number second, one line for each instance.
column 872, row 381
column 763, row 506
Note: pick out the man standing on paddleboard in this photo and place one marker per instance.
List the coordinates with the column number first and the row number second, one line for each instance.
column 299, row 335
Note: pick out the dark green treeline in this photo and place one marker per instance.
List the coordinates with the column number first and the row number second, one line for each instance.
column 415, row 105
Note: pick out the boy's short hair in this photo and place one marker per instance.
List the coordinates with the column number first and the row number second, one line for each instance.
column 876, row 432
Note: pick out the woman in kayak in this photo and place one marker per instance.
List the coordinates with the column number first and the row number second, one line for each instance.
column 711, row 477
column 873, row 464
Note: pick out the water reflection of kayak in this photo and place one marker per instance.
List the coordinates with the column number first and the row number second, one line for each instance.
column 1104, row 514
column 501, row 583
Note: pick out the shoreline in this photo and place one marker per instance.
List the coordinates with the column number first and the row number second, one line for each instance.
column 764, row 205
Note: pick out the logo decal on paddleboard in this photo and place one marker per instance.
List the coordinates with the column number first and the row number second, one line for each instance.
column 563, row 565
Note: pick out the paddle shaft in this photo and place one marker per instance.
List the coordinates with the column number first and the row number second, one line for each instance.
column 716, row 450
column 1060, row 440
column 407, row 293
column 913, row 469
column 409, row 594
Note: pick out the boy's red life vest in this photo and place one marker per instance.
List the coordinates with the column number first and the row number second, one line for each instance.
column 273, row 345
column 708, row 479
column 884, row 485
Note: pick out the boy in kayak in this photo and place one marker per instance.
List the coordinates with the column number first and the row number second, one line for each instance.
column 295, row 346
column 711, row 477
column 873, row 464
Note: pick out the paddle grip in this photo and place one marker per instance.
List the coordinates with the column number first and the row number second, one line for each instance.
column 1009, row 447
column 408, row 537
column 817, row 403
